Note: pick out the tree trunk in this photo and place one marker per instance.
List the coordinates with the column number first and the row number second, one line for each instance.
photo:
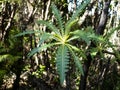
column 18, row 65
column 17, row 80
column 103, row 19
column 86, row 66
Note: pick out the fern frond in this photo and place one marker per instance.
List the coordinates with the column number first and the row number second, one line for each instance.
column 57, row 14
column 40, row 49
column 62, row 61
column 50, row 26
column 75, row 15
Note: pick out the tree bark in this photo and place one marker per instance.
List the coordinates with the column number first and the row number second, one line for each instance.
column 85, row 69
column 103, row 19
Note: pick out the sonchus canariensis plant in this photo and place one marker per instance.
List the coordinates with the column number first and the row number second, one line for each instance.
column 62, row 36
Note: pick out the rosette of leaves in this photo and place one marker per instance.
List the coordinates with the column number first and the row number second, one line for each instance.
column 62, row 36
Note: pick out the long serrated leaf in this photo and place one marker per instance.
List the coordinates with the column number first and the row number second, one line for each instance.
column 49, row 25
column 83, row 35
column 80, row 9
column 57, row 14
column 39, row 49
column 27, row 32
column 69, row 25
column 45, row 36
column 77, row 61
column 74, row 47
column 87, row 36
column 75, row 15
column 72, row 38
column 62, row 61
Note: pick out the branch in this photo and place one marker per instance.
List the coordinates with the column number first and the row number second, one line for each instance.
column 111, row 53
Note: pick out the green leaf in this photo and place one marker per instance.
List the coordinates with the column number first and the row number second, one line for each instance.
column 87, row 36
column 44, row 36
column 39, row 49
column 73, row 47
column 8, row 57
column 49, row 25
column 27, row 32
column 77, row 61
column 93, row 51
column 73, row 38
column 62, row 61
column 57, row 14
column 80, row 9
column 82, row 35
column 69, row 25
column 73, row 19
